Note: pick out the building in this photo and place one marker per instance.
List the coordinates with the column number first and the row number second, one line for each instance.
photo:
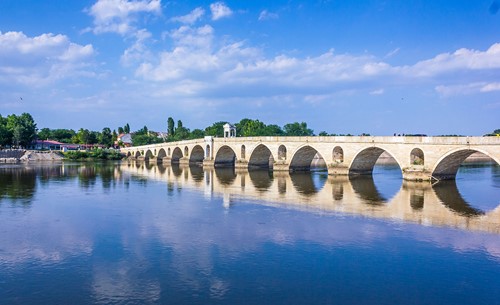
column 45, row 145
column 125, row 138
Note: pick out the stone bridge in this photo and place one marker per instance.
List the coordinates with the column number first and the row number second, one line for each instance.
column 420, row 158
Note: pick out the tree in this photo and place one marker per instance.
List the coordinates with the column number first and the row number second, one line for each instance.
column 196, row 134
column 82, row 136
column 323, row 133
column 297, row 129
column 170, row 126
column 126, row 128
column 5, row 133
column 114, row 137
column 120, row 130
column 253, row 128
column 44, row 134
column 179, row 124
column 106, row 138
column 273, row 130
column 216, row 130
column 63, row 135
column 23, row 129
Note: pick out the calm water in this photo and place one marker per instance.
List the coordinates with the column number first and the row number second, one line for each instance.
column 141, row 234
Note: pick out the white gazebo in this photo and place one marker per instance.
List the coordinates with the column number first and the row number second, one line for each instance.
column 229, row 131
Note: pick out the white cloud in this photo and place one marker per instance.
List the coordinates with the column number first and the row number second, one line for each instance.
column 192, row 17
column 220, row 10
column 377, row 92
column 138, row 51
column 201, row 64
column 466, row 89
column 42, row 59
column 462, row 59
column 266, row 15
column 392, row 53
column 118, row 16
column 490, row 87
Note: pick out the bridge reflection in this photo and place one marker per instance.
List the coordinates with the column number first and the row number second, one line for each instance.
column 417, row 202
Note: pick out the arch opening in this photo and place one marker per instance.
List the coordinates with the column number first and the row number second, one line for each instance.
column 282, row 152
column 186, row 151
column 225, row 157
column 364, row 162
column 161, row 153
column 197, row 155
column 243, row 151
column 168, row 151
column 307, row 159
column 338, row 154
column 448, row 167
column 137, row 154
column 148, row 155
column 207, row 152
column 176, row 155
column 261, row 158
column 417, row 157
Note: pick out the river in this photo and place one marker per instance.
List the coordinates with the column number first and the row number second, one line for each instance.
column 135, row 233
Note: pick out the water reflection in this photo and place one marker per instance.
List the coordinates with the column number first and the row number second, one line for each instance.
column 439, row 204
column 420, row 202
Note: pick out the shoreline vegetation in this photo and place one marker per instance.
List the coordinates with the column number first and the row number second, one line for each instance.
column 20, row 131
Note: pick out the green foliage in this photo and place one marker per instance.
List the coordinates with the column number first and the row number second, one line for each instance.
column 106, row 138
column 96, row 154
column 5, row 133
column 495, row 133
column 144, row 137
column 216, row 130
column 196, row 134
column 170, row 126
column 21, row 130
column 297, row 129
column 126, row 128
column 120, row 130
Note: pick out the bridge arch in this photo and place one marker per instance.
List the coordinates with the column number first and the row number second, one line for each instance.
column 365, row 160
column 261, row 157
column 417, row 157
column 161, row 153
column 176, row 155
column 148, row 155
column 137, row 154
column 225, row 156
column 186, row 151
column 197, row 154
column 447, row 166
column 303, row 158
column 243, row 151
column 168, row 152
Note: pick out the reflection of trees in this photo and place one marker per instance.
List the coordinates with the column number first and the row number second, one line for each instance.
column 448, row 194
column 365, row 187
column 18, row 183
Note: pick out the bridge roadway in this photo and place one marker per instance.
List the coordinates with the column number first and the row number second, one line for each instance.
column 420, row 158
column 416, row 202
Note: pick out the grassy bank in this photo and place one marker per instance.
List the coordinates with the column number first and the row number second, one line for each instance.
column 97, row 154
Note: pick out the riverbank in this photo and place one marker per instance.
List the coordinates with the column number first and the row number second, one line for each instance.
column 13, row 156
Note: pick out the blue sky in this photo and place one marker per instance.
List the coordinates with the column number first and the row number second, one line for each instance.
column 379, row 67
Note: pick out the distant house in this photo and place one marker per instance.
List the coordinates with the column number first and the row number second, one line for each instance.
column 45, row 145
column 125, row 138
